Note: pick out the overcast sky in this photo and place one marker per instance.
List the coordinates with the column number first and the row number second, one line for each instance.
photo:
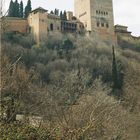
column 126, row 12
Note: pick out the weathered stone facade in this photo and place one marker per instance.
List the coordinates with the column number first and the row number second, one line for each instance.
column 42, row 23
column 14, row 24
column 97, row 16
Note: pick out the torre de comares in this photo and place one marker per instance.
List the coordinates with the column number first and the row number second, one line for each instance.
column 93, row 18
column 97, row 17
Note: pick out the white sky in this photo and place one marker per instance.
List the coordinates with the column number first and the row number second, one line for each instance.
column 126, row 12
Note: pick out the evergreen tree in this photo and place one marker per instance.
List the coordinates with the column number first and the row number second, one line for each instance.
column 114, row 71
column 55, row 11
column 21, row 9
column 64, row 16
column 51, row 12
column 11, row 9
column 28, row 8
column 61, row 15
column 16, row 9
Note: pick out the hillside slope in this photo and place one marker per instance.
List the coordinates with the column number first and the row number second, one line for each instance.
column 69, row 82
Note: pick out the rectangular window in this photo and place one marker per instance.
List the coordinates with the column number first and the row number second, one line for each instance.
column 98, row 24
column 102, row 24
column 107, row 25
column 96, row 11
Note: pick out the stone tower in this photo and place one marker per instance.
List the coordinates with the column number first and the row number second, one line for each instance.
column 97, row 16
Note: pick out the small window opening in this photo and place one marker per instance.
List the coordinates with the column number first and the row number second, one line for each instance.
column 107, row 25
column 98, row 24
column 102, row 24
column 51, row 27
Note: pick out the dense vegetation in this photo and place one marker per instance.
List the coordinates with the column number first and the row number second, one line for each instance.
column 129, row 44
column 82, row 89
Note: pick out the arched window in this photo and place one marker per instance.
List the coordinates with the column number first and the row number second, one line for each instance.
column 51, row 27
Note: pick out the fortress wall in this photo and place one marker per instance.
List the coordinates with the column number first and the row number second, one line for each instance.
column 16, row 25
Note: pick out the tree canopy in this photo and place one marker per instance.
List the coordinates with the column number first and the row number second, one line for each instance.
column 21, row 9
column 16, row 9
column 28, row 8
column 11, row 9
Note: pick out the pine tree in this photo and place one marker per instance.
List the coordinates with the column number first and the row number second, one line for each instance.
column 21, row 9
column 28, row 8
column 11, row 9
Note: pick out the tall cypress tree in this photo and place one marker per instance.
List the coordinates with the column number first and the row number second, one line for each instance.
column 21, row 9
column 16, row 9
column 55, row 11
column 114, row 71
column 28, row 8
column 51, row 12
column 61, row 15
column 11, row 9
column 64, row 16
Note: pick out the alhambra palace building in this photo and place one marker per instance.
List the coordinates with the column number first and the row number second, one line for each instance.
column 92, row 17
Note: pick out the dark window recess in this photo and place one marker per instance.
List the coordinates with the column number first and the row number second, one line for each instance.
column 107, row 25
column 102, row 24
column 30, row 29
column 51, row 27
column 98, row 24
